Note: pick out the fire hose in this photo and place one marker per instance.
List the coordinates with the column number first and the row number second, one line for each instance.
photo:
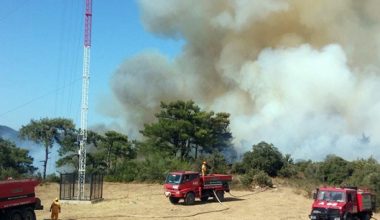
column 168, row 216
column 249, row 194
column 177, row 216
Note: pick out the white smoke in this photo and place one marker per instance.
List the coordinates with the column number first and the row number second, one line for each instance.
column 301, row 74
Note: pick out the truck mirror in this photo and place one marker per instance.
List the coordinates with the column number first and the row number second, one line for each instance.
column 314, row 195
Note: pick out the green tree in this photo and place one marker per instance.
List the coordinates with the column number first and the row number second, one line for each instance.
column 117, row 148
column 183, row 130
column 366, row 174
column 308, row 170
column 47, row 132
column 174, row 128
column 221, row 135
column 335, row 170
column 265, row 157
column 14, row 161
column 68, row 152
column 288, row 169
column 103, row 152
column 216, row 162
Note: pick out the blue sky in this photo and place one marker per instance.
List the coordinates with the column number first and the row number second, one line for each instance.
column 41, row 54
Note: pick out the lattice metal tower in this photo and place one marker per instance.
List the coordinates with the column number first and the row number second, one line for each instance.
column 84, row 104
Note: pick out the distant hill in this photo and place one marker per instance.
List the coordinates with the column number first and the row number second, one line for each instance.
column 10, row 134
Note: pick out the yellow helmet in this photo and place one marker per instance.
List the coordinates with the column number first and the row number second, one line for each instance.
column 204, row 162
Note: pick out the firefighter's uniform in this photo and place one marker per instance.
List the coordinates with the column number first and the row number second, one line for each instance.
column 55, row 208
column 204, row 168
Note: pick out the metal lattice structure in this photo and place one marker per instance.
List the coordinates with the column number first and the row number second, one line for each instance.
column 68, row 189
column 84, row 104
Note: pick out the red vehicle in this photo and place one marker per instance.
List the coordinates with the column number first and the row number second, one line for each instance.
column 18, row 200
column 189, row 185
column 342, row 204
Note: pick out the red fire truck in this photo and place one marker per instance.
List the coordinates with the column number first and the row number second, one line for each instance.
column 189, row 185
column 18, row 200
column 345, row 203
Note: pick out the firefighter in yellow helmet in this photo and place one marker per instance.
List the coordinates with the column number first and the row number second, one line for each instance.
column 204, row 168
column 55, row 208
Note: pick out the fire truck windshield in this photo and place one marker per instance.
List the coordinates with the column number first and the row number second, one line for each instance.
column 331, row 196
column 173, row 179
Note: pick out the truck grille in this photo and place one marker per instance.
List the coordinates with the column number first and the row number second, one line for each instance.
column 322, row 213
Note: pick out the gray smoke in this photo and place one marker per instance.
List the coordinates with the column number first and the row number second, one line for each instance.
column 301, row 74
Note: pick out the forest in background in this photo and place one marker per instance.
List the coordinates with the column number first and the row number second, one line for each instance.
column 181, row 137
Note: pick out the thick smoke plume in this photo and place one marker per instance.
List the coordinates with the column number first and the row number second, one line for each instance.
column 301, row 74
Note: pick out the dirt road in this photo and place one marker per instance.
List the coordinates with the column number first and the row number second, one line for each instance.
column 144, row 201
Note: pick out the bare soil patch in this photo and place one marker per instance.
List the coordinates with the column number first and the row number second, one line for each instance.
column 147, row 201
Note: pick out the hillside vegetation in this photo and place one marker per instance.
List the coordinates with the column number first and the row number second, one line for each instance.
column 181, row 137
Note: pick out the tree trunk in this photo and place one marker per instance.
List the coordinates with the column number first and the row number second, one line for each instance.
column 196, row 151
column 183, row 146
column 109, row 157
column 45, row 161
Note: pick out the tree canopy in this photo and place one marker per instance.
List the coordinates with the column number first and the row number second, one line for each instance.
column 265, row 157
column 14, row 161
column 104, row 152
column 47, row 132
column 183, row 130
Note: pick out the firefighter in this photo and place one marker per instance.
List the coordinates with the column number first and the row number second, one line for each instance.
column 204, row 168
column 55, row 208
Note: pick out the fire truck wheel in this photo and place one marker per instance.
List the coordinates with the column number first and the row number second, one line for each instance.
column 365, row 217
column 204, row 198
column 190, row 198
column 173, row 200
column 15, row 215
column 347, row 216
column 29, row 214
column 220, row 195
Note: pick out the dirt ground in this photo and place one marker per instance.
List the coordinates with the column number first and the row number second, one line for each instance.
column 147, row 201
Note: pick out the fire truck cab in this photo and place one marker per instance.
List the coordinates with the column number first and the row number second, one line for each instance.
column 343, row 203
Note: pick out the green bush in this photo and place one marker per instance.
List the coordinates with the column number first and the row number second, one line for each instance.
column 335, row 170
column 246, row 180
column 264, row 157
column 153, row 168
column 287, row 171
column 9, row 172
column 52, row 178
column 238, row 168
column 127, row 172
column 262, row 179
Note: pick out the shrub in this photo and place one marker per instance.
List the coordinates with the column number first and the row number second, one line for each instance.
column 335, row 170
column 246, row 180
column 287, row 171
column 52, row 178
column 238, row 168
column 264, row 157
column 262, row 179
column 8, row 172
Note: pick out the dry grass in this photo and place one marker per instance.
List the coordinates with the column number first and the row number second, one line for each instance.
column 146, row 201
